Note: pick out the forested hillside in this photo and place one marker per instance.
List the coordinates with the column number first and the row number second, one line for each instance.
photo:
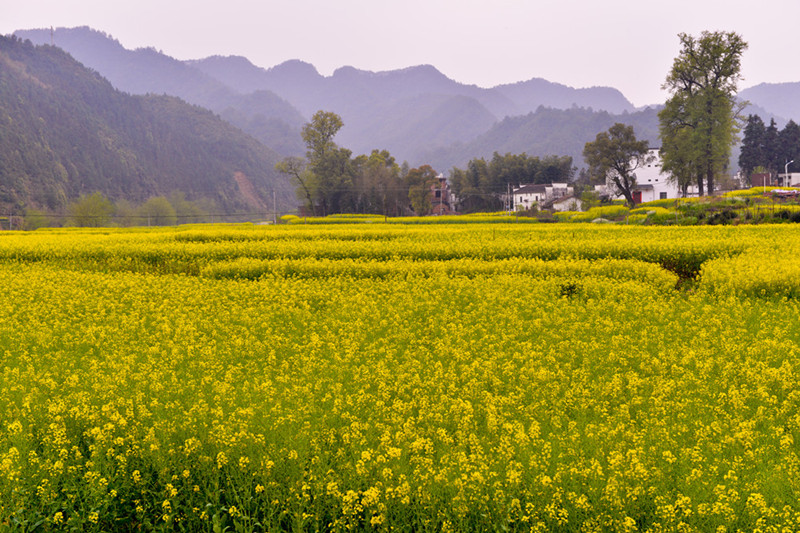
column 416, row 113
column 546, row 132
column 408, row 112
column 262, row 114
column 66, row 132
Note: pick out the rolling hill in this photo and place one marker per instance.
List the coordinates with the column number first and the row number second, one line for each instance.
column 67, row 131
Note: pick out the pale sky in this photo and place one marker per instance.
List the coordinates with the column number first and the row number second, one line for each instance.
column 627, row 44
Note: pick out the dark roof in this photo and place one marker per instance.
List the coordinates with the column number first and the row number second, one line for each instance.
column 531, row 188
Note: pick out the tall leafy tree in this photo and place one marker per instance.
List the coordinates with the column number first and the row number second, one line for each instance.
column 419, row 181
column 684, row 159
column 325, row 178
column 752, row 154
column 772, row 152
column 330, row 167
column 474, row 187
column 702, row 110
column 93, row 210
column 295, row 168
column 789, row 141
column 614, row 155
column 379, row 186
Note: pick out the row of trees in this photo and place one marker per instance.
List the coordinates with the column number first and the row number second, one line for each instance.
column 766, row 147
column 698, row 125
column 481, row 185
column 97, row 210
column 329, row 180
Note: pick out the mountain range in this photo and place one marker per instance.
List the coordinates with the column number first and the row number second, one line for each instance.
column 417, row 113
column 412, row 112
column 67, row 131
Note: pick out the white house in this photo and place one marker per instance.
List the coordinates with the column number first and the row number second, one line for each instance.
column 565, row 203
column 526, row 196
column 792, row 179
column 651, row 183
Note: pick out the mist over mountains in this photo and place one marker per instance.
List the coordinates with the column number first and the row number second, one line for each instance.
column 67, row 131
column 414, row 112
column 418, row 114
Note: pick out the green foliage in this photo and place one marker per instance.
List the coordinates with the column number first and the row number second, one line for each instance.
column 419, row 182
column 698, row 125
column 767, row 149
column 64, row 131
column 589, row 198
column 752, row 153
column 92, row 210
column 378, row 185
column 157, row 211
column 330, row 174
column 614, row 156
column 35, row 219
column 480, row 186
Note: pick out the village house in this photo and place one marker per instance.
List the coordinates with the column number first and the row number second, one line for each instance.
column 565, row 203
column 651, row 183
column 792, row 179
column 441, row 197
column 526, row 196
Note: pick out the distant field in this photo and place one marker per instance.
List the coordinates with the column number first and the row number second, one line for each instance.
column 382, row 377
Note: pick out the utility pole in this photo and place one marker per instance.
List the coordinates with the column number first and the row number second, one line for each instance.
column 274, row 208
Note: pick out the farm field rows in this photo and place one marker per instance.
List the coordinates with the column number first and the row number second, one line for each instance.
column 371, row 377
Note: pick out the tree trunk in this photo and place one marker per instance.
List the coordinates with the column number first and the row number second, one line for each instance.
column 710, row 180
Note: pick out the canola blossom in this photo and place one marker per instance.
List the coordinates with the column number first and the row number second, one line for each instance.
column 384, row 377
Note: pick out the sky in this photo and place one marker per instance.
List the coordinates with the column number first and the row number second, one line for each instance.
column 626, row 44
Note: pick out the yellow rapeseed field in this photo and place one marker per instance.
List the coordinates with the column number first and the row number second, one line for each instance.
column 385, row 377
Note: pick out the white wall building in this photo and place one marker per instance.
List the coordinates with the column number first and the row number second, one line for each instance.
column 792, row 179
column 651, row 183
column 526, row 196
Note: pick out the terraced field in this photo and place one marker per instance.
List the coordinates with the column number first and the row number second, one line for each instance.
column 385, row 377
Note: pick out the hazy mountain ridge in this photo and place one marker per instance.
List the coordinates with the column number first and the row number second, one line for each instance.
column 546, row 131
column 68, row 132
column 379, row 109
column 780, row 99
column 417, row 113
column 147, row 71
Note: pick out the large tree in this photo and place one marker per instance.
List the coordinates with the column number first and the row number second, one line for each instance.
column 330, row 166
column 420, row 182
column 789, row 141
column 379, row 186
column 325, row 177
column 702, row 113
column 772, row 152
column 93, row 210
column 752, row 154
column 614, row 156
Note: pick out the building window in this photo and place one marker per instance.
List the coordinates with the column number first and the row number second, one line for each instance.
column 662, row 196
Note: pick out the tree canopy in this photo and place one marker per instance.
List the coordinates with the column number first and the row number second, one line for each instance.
column 767, row 147
column 480, row 186
column 699, row 122
column 614, row 155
